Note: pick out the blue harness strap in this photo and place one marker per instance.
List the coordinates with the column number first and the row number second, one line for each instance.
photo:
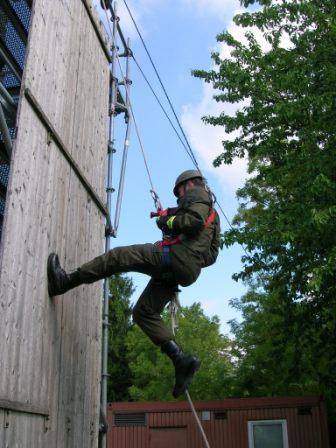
column 166, row 259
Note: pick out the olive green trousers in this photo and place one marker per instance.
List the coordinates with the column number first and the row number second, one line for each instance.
column 146, row 259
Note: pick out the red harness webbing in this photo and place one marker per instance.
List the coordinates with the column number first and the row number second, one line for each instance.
column 177, row 240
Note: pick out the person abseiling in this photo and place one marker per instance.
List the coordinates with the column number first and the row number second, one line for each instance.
column 191, row 242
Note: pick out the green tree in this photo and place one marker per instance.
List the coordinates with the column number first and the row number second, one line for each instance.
column 153, row 373
column 271, row 346
column 285, row 127
column 120, row 312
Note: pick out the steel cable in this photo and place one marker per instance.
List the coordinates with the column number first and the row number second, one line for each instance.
column 189, row 150
column 153, row 191
column 162, row 85
column 161, row 106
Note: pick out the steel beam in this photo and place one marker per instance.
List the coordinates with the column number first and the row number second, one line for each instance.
column 5, row 133
column 9, row 59
column 108, row 3
column 15, row 21
column 7, row 101
column 126, row 143
column 109, row 232
column 3, row 153
column 3, row 191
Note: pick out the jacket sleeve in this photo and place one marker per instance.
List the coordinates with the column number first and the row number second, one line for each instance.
column 191, row 216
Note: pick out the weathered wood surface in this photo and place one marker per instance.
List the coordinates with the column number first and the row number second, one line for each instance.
column 50, row 349
column 75, row 68
column 24, row 408
column 19, row 430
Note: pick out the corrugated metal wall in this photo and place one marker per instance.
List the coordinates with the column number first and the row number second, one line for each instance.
column 50, row 349
column 230, row 431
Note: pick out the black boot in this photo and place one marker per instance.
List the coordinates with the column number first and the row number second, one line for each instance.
column 185, row 366
column 59, row 281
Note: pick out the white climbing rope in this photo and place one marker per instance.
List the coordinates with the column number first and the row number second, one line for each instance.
column 175, row 303
column 198, row 421
column 173, row 308
column 130, row 106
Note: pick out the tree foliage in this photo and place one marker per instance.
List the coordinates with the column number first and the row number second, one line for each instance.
column 153, row 373
column 120, row 311
column 285, row 126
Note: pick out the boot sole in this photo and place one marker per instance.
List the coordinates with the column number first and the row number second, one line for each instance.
column 189, row 377
column 50, row 291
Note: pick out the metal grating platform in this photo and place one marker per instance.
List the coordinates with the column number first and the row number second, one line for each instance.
column 4, row 172
column 14, row 27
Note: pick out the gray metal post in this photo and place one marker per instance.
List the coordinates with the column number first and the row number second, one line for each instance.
column 7, row 100
column 10, row 61
column 5, row 132
column 109, row 190
column 126, row 142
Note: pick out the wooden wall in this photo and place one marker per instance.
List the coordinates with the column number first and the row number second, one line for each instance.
column 50, row 349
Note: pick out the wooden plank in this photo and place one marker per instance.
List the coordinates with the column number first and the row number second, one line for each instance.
column 2, row 427
column 52, row 329
column 56, row 137
column 38, row 216
column 98, row 28
column 52, row 58
column 90, row 402
column 54, row 75
column 92, row 104
column 23, row 407
column 23, row 431
column 51, row 348
column 79, row 384
column 81, row 408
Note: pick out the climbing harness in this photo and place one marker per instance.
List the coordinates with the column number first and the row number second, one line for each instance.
column 186, row 145
column 166, row 261
column 168, row 240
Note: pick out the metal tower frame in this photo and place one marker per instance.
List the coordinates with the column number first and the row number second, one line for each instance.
column 119, row 103
column 14, row 28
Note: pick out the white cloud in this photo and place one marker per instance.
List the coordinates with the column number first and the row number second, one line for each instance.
column 212, row 306
column 222, row 8
column 207, row 139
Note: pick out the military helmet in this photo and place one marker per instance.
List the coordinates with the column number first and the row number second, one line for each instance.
column 185, row 176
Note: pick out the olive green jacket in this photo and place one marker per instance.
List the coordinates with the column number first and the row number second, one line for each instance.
column 199, row 245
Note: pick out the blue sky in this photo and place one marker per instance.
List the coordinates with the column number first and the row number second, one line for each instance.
column 180, row 35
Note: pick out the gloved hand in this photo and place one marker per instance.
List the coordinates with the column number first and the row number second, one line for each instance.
column 165, row 223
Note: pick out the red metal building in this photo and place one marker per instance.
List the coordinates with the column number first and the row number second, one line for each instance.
column 289, row 422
